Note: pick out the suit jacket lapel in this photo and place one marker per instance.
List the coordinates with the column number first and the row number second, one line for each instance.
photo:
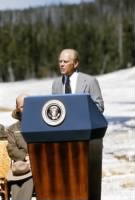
column 81, row 83
column 60, row 86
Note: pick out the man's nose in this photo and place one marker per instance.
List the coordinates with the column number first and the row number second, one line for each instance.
column 61, row 64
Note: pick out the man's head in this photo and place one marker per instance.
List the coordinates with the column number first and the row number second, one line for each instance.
column 68, row 61
column 20, row 102
column 17, row 113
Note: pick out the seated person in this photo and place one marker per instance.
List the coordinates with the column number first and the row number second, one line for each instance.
column 22, row 185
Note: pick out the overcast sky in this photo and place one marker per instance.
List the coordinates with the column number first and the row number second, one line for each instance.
column 20, row 4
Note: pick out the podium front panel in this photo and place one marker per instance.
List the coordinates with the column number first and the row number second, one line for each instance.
column 60, row 170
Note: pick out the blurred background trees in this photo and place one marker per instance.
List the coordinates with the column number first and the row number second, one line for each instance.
column 102, row 31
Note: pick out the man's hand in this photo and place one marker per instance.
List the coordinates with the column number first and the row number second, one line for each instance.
column 27, row 159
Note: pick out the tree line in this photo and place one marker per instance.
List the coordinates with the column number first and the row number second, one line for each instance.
column 102, row 31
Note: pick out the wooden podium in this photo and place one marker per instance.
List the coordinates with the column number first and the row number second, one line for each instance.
column 64, row 135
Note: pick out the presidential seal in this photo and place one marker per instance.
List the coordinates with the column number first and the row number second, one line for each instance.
column 53, row 112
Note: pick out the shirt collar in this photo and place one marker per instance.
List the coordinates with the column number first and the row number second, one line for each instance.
column 73, row 76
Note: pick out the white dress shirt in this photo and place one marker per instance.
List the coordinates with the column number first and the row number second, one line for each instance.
column 73, row 81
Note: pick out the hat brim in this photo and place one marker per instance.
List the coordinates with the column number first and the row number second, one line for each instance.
column 11, row 177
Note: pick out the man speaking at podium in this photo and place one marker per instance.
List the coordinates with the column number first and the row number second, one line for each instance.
column 68, row 148
column 73, row 81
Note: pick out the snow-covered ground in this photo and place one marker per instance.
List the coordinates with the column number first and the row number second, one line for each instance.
column 118, row 89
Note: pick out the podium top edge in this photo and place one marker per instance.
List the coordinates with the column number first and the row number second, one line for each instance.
column 58, row 95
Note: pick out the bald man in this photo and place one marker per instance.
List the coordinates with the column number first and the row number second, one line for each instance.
column 21, row 188
column 79, row 82
column 19, row 106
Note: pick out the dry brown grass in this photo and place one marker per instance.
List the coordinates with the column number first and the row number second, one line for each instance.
column 4, row 159
column 128, row 184
column 5, row 109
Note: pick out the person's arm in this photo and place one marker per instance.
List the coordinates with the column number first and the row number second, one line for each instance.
column 16, row 147
column 57, row 86
column 96, row 95
column 54, row 87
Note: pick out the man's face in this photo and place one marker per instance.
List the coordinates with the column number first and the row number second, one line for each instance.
column 20, row 104
column 67, row 63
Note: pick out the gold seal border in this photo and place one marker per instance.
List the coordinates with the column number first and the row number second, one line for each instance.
column 45, row 116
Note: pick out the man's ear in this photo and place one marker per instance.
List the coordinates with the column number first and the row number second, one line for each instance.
column 76, row 64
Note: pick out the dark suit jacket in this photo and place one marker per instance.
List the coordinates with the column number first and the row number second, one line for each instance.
column 85, row 84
